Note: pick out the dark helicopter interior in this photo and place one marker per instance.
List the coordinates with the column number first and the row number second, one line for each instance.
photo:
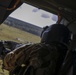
column 65, row 9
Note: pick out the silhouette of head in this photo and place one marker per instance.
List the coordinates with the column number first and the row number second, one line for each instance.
column 56, row 33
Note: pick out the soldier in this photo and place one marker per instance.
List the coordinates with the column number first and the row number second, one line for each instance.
column 44, row 58
column 57, row 34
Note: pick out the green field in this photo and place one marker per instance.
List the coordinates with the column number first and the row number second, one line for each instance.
column 3, row 72
column 14, row 34
column 17, row 35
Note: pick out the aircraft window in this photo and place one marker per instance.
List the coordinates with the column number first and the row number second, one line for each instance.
column 33, row 15
column 26, row 19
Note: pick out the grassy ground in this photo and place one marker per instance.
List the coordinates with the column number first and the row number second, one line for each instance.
column 3, row 72
column 14, row 34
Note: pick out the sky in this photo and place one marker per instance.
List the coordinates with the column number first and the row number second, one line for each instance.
column 33, row 15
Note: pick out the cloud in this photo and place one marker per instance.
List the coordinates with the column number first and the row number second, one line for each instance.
column 35, row 10
column 44, row 15
column 54, row 17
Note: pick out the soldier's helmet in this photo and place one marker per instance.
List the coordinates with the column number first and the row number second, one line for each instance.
column 56, row 33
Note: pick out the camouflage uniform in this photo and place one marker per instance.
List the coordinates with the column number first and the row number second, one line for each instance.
column 43, row 58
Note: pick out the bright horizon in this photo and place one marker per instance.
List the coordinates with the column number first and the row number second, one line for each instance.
column 33, row 15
